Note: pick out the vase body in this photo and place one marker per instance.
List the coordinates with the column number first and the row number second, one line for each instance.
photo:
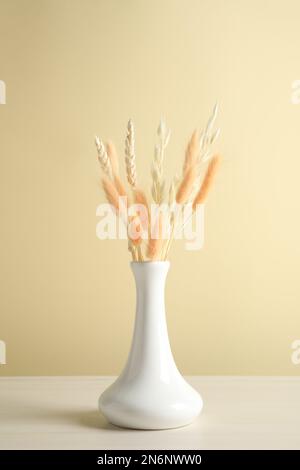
column 150, row 393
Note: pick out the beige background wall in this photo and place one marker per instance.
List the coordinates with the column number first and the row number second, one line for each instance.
column 76, row 68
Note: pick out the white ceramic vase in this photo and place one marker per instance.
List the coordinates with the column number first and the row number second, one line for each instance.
column 150, row 393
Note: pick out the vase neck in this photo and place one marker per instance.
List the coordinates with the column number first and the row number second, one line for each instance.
column 150, row 279
column 150, row 348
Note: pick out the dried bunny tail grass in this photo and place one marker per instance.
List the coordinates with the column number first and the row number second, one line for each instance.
column 111, row 192
column 155, row 244
column 186, row 185
column 130, row 155
column 134, row 243
column 114, row 161
column 140, row 224
column 207, row 181
column 103, row 157
column 120, row 186
column 192, row 151
column 141, row 198
column 136, row 223
column 112, row 196
column 113, row 157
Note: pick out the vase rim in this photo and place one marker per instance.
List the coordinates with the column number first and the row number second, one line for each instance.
column 150, row 262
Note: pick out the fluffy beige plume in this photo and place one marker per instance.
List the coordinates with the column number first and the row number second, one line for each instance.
column 113, row 156
column 120, row 186
column 111, row 192
column 112, row 196
column 191, row 152
column 141, row 198
column 135, row 226
column 155, row 244
column 207, row 181
column 186, row 185
column 114, row 161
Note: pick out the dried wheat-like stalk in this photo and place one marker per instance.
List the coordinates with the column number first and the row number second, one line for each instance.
column 103, row 157
column 207, row 181
column 158, row 183
column 155, row 244
column 130, row 155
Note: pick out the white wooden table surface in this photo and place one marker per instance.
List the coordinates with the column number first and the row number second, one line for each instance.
column 61, row 413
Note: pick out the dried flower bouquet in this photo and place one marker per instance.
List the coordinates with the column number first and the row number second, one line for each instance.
column 150, row 232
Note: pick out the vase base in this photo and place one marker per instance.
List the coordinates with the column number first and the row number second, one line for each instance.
column 165, row 407
column 140, row 428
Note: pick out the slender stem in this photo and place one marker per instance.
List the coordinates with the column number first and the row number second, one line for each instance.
column 140, row 253
column 169, row 242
